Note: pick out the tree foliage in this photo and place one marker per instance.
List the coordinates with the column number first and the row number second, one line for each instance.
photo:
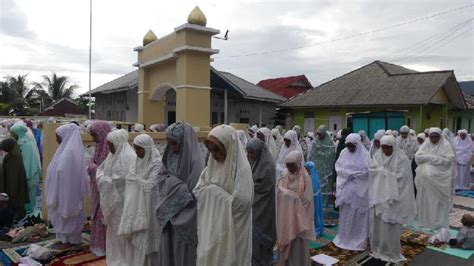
column 20, row 97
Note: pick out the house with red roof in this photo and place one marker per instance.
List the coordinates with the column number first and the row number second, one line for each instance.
column 287, row 87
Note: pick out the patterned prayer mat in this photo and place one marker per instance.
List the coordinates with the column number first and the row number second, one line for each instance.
column 82, row 258
column 13, row 255
column 413, row 243
column 344, row 256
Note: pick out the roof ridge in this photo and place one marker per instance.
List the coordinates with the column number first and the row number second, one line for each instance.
column 294, row 76
column 382, row 64
column 336, row 78
column 97, row 88
column 424, row 72
column 268, row 91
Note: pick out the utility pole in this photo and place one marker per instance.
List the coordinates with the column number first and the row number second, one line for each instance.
column 90, row 58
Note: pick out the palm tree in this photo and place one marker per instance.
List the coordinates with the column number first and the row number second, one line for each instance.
column 58, row 87
column 15, row 93
column 19, row 84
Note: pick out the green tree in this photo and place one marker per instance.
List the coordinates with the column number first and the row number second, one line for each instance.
column 83, row 103
column 58, row 87
column 15, row 91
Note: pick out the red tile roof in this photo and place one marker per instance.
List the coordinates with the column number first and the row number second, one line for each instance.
column 285, row 86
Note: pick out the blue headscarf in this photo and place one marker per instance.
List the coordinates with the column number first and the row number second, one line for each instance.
column 318, row 198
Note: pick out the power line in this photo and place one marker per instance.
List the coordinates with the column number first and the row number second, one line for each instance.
column 432, row 41
column 350, row 36
column 439, row 44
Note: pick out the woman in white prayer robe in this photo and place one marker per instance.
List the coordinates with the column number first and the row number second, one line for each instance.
column 138, row 224
column 462, row 145
column 111, row 176
column 278, row 139
column 420, row 139
column 391, row 200
column 434, row 175
column 352, row 195
column 224, row 196
column 375, row 146
column 407, row 143
column 265, row 135
column 365, row 139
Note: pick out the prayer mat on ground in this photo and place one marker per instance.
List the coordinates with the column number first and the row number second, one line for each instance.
column 344, row 256
column 330, row 217
column 423, row 236
column 327, row 236
column 413, row 243
column 465, row 193
column 101, row 262
column 446, row 249
column 82, row 258
column 16, row 253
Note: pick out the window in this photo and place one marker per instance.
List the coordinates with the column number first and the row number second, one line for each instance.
column 458, row 123
column 309, row 121
column 244, row 120
column 222, row 117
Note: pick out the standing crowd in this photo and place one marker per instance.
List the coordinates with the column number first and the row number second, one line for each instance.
column 258, row 198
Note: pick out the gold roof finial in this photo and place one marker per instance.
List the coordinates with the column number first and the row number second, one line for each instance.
column 197, row 17
column 149, row 37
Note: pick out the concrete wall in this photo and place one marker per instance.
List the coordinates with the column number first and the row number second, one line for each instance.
column 238, row 108
column 466, row 119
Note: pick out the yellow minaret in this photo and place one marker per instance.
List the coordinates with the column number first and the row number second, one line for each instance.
column 179, row 61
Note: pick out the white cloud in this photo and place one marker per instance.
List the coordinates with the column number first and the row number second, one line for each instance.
column 53, row 35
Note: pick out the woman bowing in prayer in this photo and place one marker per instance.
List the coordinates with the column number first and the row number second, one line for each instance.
column 434, row 174
column 263, row 209
column 318, row 198
column 31, row 162
column 291, row 143
column 391, row 200
column 111, row 176
column 66, row 185
column 265, row 135
column 176, row 207
column 352, row 195
column 224, row 196
column 14, row 181
column 98, row 131
column 323, row 155
column 138, row 223
column 462, row 145
column 295, row 213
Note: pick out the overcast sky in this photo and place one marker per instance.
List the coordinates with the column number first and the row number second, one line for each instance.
column 40, row 37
